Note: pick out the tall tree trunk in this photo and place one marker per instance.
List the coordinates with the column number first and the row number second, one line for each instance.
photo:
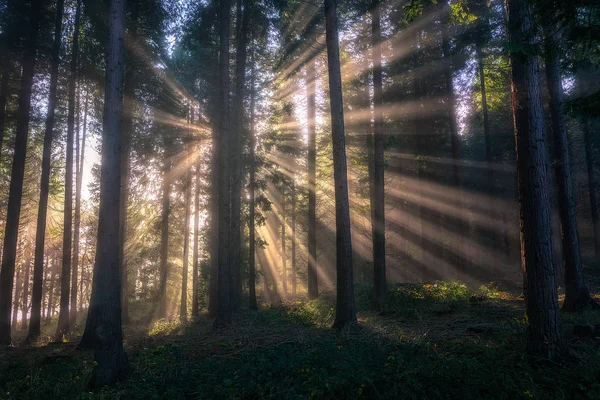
column 13, row 211
column 164, row 235
column 283, row 257
column 544, row 335
column 6, row 69
column 589, row 160
column 125, row 173
column 214, row 225
column 15, row 310
column 235, row 144
column 456, row 239
column 64, row 326
column 224, row 309
column 378, row 223
column 577, row 296
column 294, row 272
column 252, row 206
column 196, row 266
column 25, row 301
column 105, row 305
column 40, row 233
column 78, row 187
column 312, row 277
column 186, row 233
column 345, row 313
column 50, row 311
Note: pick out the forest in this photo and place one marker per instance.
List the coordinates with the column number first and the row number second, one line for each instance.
column 290, row 199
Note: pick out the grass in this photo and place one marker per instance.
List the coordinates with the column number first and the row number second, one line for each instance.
column 433, row 341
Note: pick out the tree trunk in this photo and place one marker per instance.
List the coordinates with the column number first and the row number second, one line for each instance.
column 63, row 326
column 15, row 310
column 378, row 223
column 312, row 277
column 164, row 236
column 105, row 305
column 577, row 296
column 13, row 210
column 224, row 309
column 235, row 144
column 40, row 234
column 186, row 233
column 6, row 69
column 214, row 226
column 25, row 301
column 589, row 159
column 283, row 258
column 251, row 189
column 345, row 314
column 196, row 266
column 457, row 239
column 544, row 335
column 78, row 187
column 294, row 272
column 50, row 311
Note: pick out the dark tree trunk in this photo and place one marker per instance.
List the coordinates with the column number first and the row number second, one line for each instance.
column 378, row 205
column 577, row 296
column 63, row 326
column 16, row 302
column 77, row 227
column 294, row 272
column 345, row 314
column 456, row 240
column 235, row 144
column 78, row 183
column 544, row 336
column 105, row 305
column 224, row 309
column 13, row 210
column 589, row 160
column 283, row 258
column 196, row 266
column 312, row 279
column 251, row 214
column 50, row 311
column 186, row 234
column 6, row 69
column 164, row 236
column 40, row 234
column 25, row 300
column 214, row 226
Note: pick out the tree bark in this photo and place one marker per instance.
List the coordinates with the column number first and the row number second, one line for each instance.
column 224, row 309
column 589, row 159
column 195, row 260
column 345, row 313
column 252, row 206
column 6, row 69
column 13, row 211
column 577, row 296
column 40, row 234
column 294, row 272
column 283, row 258
column 16, row 305
column 164, row 236
column 50, row 311
column 105, row 305
column 544, row 335
column 186, row 233
column 235, row 144
column 64, row 326
column 312, row 277
column 378, row 223
column 25, row 301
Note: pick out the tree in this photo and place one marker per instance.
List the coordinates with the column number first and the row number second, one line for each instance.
column 64, row 326
column 40, row 235
column 544, row 335
column 186, row 228
column 378, row 223
column 224, row 310
column 252, row 203
column 9, row 250
column 577, row 296
column 312, row 280
column 345, row 314
column 105, row 305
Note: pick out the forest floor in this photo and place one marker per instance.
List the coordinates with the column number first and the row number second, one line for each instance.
column 430, row 341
